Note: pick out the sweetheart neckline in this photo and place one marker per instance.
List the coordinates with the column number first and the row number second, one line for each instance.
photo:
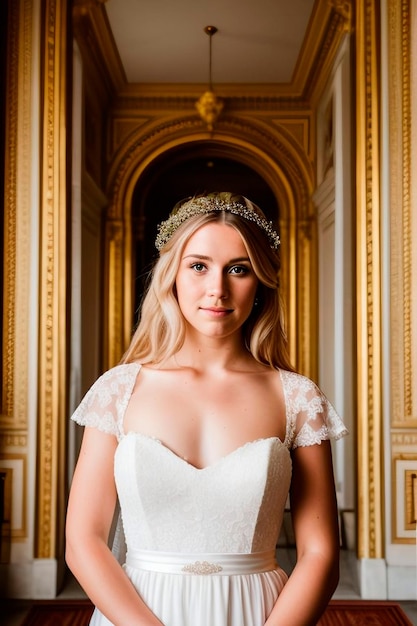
column 221, row 459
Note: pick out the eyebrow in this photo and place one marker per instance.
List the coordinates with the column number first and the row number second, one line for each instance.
column 203, row 257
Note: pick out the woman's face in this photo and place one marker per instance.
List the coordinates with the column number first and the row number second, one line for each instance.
column 215, row 284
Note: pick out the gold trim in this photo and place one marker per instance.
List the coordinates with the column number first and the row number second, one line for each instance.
column 406, row 203
column 410, row 502
column 18, row 533
column 369, row 390
column 400, row 139
column 13, row 439
column 10, row 209
column 329, row 22
column 53, row 287
column 17, row 217
column 95, row 38
column 24, row 214
column 404, row 438
column 115, row 339
column 399, row 20
column 407, row 504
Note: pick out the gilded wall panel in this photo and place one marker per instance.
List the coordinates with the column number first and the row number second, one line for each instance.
column 53, row 323
column 404, row 482
column 17, row 274
column 403, row 436
column 10, row 209
column 368, row 282
column 403, row 413
column 14, row 470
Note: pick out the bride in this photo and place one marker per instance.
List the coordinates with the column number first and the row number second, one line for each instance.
column 200, row 434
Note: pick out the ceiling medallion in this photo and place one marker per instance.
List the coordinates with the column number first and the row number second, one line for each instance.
column 209, row 106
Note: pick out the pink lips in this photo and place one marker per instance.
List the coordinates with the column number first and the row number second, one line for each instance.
column 217, row 311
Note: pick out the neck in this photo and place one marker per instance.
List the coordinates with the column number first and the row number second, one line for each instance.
column 212, row 354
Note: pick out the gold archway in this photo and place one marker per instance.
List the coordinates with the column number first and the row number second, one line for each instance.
column 284, row 168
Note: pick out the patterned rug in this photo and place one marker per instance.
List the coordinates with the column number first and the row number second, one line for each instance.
column 59, row 613
column 339, row 613
column 364, row 613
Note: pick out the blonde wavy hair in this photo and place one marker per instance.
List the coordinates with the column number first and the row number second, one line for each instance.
column 161, row 329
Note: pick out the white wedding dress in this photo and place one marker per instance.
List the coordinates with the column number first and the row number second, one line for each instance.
column 201, row 542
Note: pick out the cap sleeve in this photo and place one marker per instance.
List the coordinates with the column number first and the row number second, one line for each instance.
column 104, row 405
column 311, row 418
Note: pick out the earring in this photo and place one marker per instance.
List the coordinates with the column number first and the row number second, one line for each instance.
column 256, row 301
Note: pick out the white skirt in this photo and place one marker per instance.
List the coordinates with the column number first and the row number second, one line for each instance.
column 205, row 590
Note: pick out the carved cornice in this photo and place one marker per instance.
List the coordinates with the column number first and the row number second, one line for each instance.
column 183, row 98
column 329, row 22
column 338, row 24
column 98, row 49
column 328, row 25
column 344, row 8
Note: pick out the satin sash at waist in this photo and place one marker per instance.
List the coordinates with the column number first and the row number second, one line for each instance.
column 202, row 564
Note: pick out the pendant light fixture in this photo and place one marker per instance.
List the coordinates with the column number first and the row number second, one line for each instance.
column 209, row 106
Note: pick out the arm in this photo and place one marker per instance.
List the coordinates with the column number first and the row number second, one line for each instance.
column 90, row 513
column 314, row 513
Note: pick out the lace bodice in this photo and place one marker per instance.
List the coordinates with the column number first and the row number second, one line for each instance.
column 310, row 416
column 235, row 505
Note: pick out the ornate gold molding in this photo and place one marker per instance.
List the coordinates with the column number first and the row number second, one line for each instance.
column 53, row 329
column 404, row 438
column 17, row 248
column 399, row 76
column 162, row 135
column 17, row 217
column 331, row 21
column 93, row 34
column 403, row 513
column 13, row 439
column 10, row 209
column 24, row 214
column 369, row 390
column 15, row 467
column 117, row 333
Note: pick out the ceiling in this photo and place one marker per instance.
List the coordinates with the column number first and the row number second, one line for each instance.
column 163, row 41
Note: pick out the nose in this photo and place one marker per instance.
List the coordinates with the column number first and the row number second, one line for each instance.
column 217, row 285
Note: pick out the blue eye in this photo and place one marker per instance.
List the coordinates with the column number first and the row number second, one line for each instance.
column 239, row 270
column 198, row 267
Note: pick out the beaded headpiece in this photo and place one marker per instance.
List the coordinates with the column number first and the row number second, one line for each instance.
column 208, row 204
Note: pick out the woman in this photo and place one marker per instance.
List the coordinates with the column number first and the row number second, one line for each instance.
column 200, row 434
